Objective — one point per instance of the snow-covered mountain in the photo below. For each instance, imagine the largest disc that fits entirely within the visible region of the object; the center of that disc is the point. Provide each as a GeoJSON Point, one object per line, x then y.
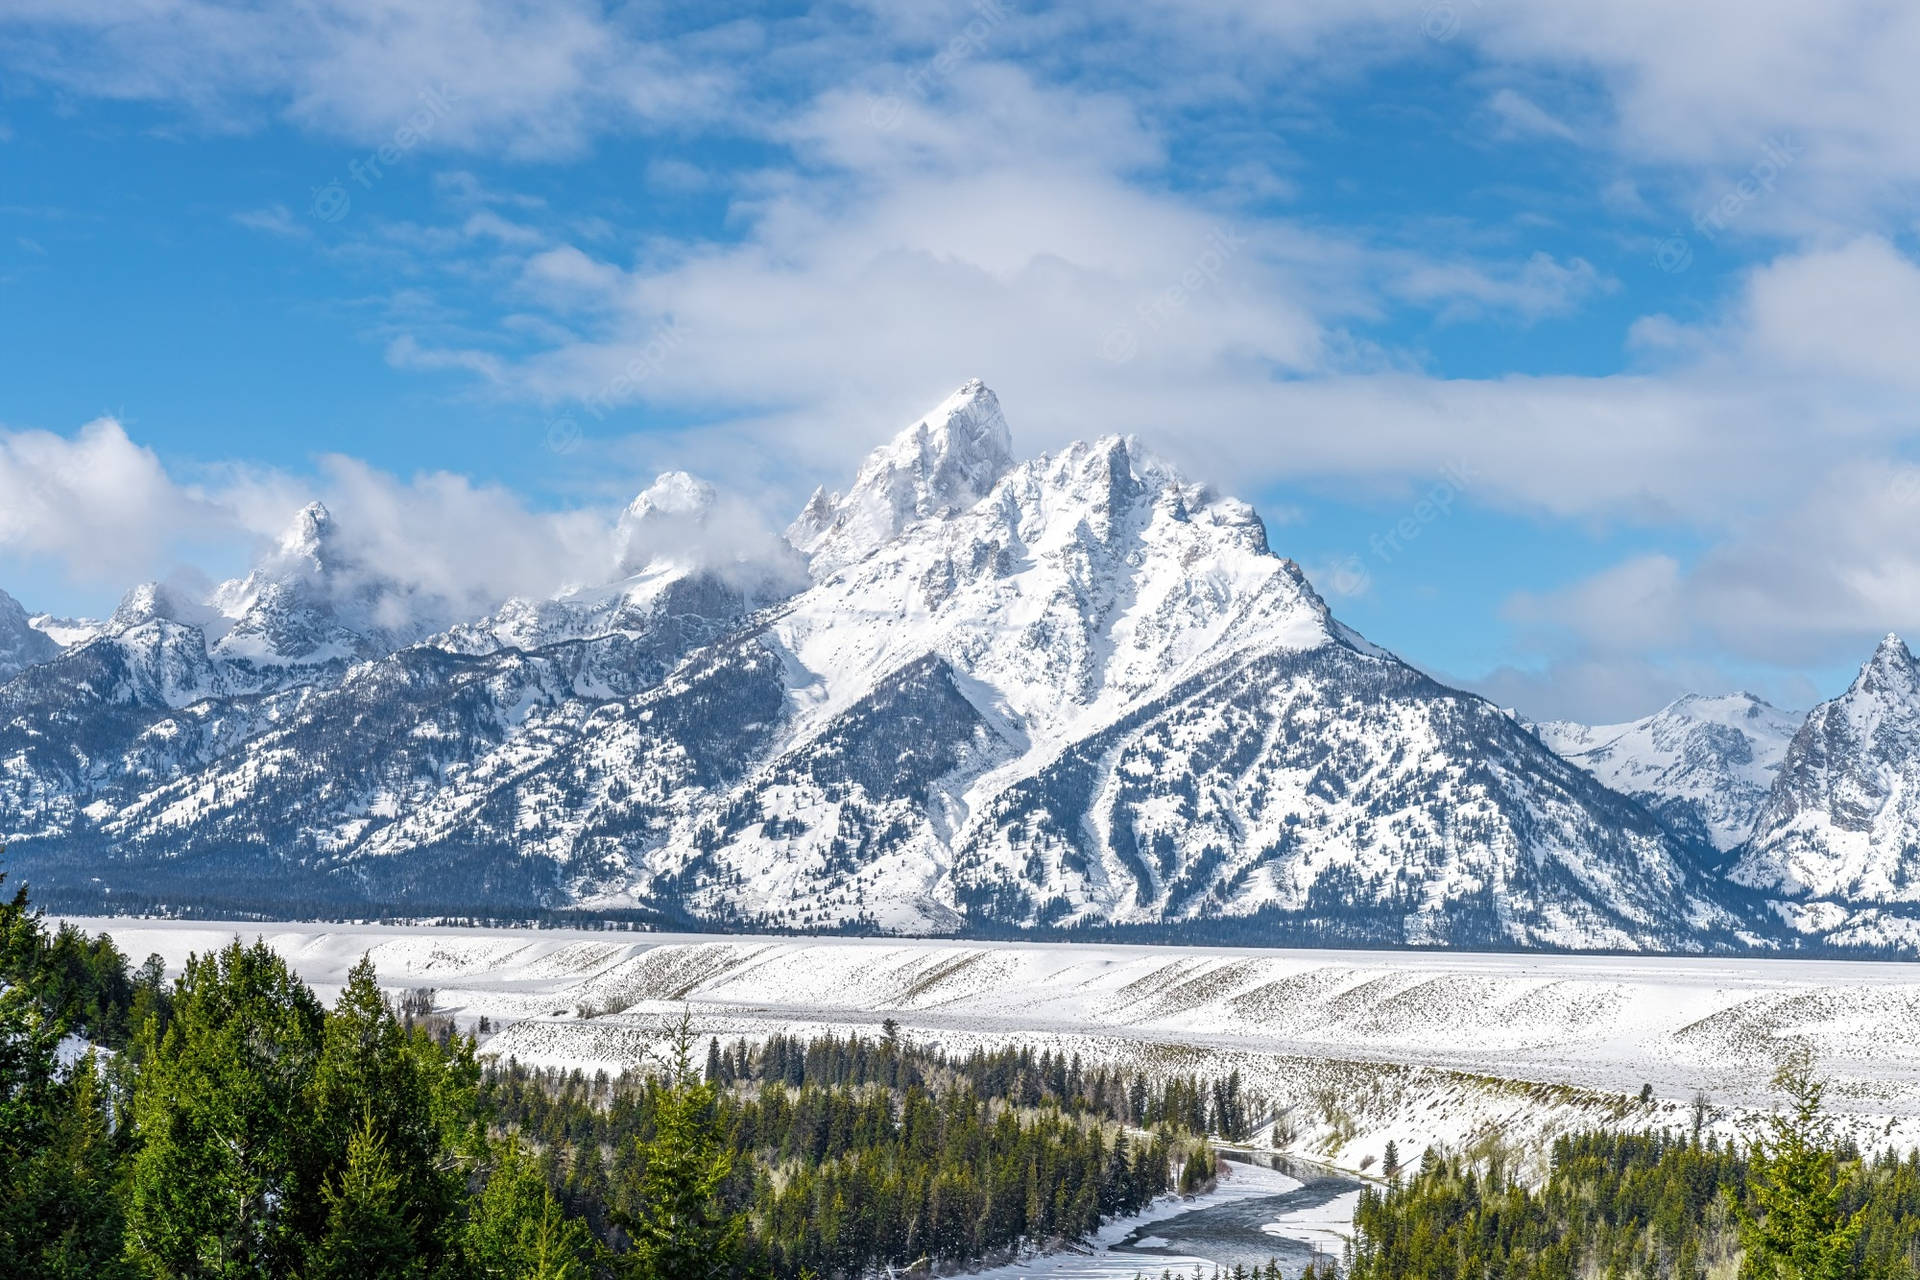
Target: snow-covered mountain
{"type": "Point", "coordinates": [1705, 764]}
{"type": "Point", "coordinates": [940, 466]}
{"type": "Point", "coordinates": [21, 643]}
{"type": "Point", "coordinates": [1842, 822]}
{"type": "Point", "coordinates": [974, 692]}
{"type": "Point", "coordinates": [308, 603]}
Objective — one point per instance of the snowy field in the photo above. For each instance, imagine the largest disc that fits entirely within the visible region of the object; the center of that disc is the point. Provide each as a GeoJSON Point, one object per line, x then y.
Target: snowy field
{"type": "Point", "coordinates": [1352, 1048]}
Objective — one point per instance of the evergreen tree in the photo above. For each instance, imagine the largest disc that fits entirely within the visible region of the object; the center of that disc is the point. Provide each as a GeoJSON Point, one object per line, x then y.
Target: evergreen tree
{"type": "Point", "coordinates": [1797, 1229]}
{"type": "Point", "coordinates": [367, 1231]}
{"type": "Point", "coordinates": [225, 1173]}
{"type": "Point", "coordinates": [60, 1215]}
{"type": "Point", "coordinates": [410, 1092]}
{"type": "Point", "coordinates": [517, 1230]}
{"type": "Point", "coordinates": [682, 1231]}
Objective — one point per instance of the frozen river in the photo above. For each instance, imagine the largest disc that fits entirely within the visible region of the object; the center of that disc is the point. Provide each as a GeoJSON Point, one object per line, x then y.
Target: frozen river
{"type": "Point", "coordinates": [1265, 1209]}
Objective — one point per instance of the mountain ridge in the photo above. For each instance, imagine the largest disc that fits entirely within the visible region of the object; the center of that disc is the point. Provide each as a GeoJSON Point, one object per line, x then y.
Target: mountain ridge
{"type": "Point", "coordinates": [1074, 691]}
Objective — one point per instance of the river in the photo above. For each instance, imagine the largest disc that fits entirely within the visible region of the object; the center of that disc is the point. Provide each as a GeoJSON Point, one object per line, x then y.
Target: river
{"type": "Point", "coordinates": [1292, 1226]}
{"type": "Point", "coordinates": [1267, 1207]}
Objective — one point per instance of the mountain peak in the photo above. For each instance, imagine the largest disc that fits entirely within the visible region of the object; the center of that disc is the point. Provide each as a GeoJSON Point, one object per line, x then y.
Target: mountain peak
{"type": "Point", "coordinates": [662, 519]}
{"type": "Point", "coordinates": [307, 535]}
{"type": "Point", "coordinates": [943, 463]}
{"type": "Point", "coordinates": [144, 603]}
{"type": "Point", "coordinates": [1891, 671]}
{"type": "Point", "coordinates": [673, 493]}
{"type": "Point", "coordinates": [21, 645]}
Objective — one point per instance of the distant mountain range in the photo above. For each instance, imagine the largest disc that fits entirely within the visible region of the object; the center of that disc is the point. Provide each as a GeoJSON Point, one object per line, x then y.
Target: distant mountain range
{"type": "Point", "coordinates": [1071, 693]}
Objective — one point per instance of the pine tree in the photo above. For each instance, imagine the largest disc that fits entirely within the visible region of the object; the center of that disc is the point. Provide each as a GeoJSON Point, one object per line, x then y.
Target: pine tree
{"type": "Point", "coordinates": [1800, 1231]}
{"type": "Point", "coordinates": [367, 1232]}
{"type": "Point", "coordinates": [225, 1170]}
{"type": "Point", "coordinates": [516, 1229]}
{"type": "Point", "coordinates": [414, 1095]}
{"type": "Point", "coordinates": [682, 1231]}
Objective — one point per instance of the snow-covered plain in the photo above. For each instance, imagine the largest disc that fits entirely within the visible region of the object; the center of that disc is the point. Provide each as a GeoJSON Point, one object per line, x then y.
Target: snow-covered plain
{"type": "Point", "coordinates": [1351, 1048]}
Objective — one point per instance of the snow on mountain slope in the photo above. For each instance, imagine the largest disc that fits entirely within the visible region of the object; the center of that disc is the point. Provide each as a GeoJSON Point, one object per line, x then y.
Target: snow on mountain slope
{"type": "Point", "coordinates": [22, 645]}
{"type": "Point", "coordinates": [1099, 696]}
{"type": "Point", "coordinates": [940, 466]}
{"type": "Point", "coordinates": [1843, 819]}
{"type": "Point", "coordinates": [309, 604]}
{"type": "Point", "coordinates": [1075, 690]}
{"type": "Point", "coordinates": [1345, 793]}
{"type": "Point", "coordinates": [67, 633]}
{"type": "Point", "coordinates": [1703, 763]}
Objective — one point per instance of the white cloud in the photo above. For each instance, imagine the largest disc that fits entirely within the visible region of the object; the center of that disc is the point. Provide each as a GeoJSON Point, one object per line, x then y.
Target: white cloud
{"type": "Point", "coordinates": [98, 504]}
{"type": "Point", "coordinates": [538, 79]}
{"type": "Point", "coordinates": [1851, 311]}
{"type": "Point", "coordinates": [1538, 287]}
{"type": "Point", "coordinates": [1521, 117]}
{"type": "Point", "coordinates": [1817, 583]}
{"type": "Point", "coordinates": [275, 220]}
{"type": "Point", "coordinates": [106, 511]}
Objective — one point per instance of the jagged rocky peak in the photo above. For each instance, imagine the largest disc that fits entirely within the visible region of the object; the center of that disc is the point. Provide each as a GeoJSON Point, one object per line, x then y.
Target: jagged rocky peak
{"type": "Point", "coordinates": [1890, 673]}
{"type": "Point", "coordinates": [307, 536]}
{"type": "Point", "coordinates": [673, 493]}
{"type": "Point", "coordinates": [307, 601]}
{"type": "Point", "coordinates": [1843, 818]}
{"type": "Point", "coordinates": [150, 601]}
{"type": "Point", "coordinates": [21, 644]}
{"type": "Point", "coordinates": [943, 464]}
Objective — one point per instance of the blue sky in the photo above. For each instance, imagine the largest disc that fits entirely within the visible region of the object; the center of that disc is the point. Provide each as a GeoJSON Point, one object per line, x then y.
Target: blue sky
{"type": "Point", "coordinates": [1627, 297]}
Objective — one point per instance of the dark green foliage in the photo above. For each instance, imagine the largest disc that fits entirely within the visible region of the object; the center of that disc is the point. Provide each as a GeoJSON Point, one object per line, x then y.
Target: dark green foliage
{"type": "Point", "coordinates": [405, 1091]}
{"type": "Point", "coordinates": [680, 1229]}
{"type": "Point", "coordinates": [1799, 1226]}
{"type": "Point", "coordinates": [850, 1155]}
{"type": "Point", "coordinates": [1662, 1206]}
{"type": "Point", "coordinates": [59, 1214]}
{"type": "Point", "coordinates": [369, 1228]}
{"type": "Point", "coordinates": [516, 1227]}
{"type": "Point", "coordinates": [226, 1180]}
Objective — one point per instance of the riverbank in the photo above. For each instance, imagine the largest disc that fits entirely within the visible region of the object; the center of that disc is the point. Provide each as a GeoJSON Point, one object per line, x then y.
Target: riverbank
{"type": "Point", "coordinates": [1255, 1213]}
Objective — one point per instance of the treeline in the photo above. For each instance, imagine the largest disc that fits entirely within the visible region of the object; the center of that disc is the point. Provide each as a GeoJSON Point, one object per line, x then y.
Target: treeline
{"type": "Point", "coordinates": [848, 1155]}
{"type": "Point", "coordinates": [1794, 1204]}
{"type": "Point", "coordinates": [1197, 1104]}
{"type": "Point", "coordinates": [227, 1124]}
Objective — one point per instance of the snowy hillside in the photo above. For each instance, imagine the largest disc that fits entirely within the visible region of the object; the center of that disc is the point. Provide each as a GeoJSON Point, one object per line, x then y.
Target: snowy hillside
{"type": "Point", "coordinates": [1705, 764]}
{"type": "Point", "coordinates": [1415, 1048]}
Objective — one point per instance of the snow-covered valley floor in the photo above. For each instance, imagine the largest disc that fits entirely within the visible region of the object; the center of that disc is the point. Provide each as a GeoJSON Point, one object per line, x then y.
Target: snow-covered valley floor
{"type": "Point", "coordinates": [1353, 1049]}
